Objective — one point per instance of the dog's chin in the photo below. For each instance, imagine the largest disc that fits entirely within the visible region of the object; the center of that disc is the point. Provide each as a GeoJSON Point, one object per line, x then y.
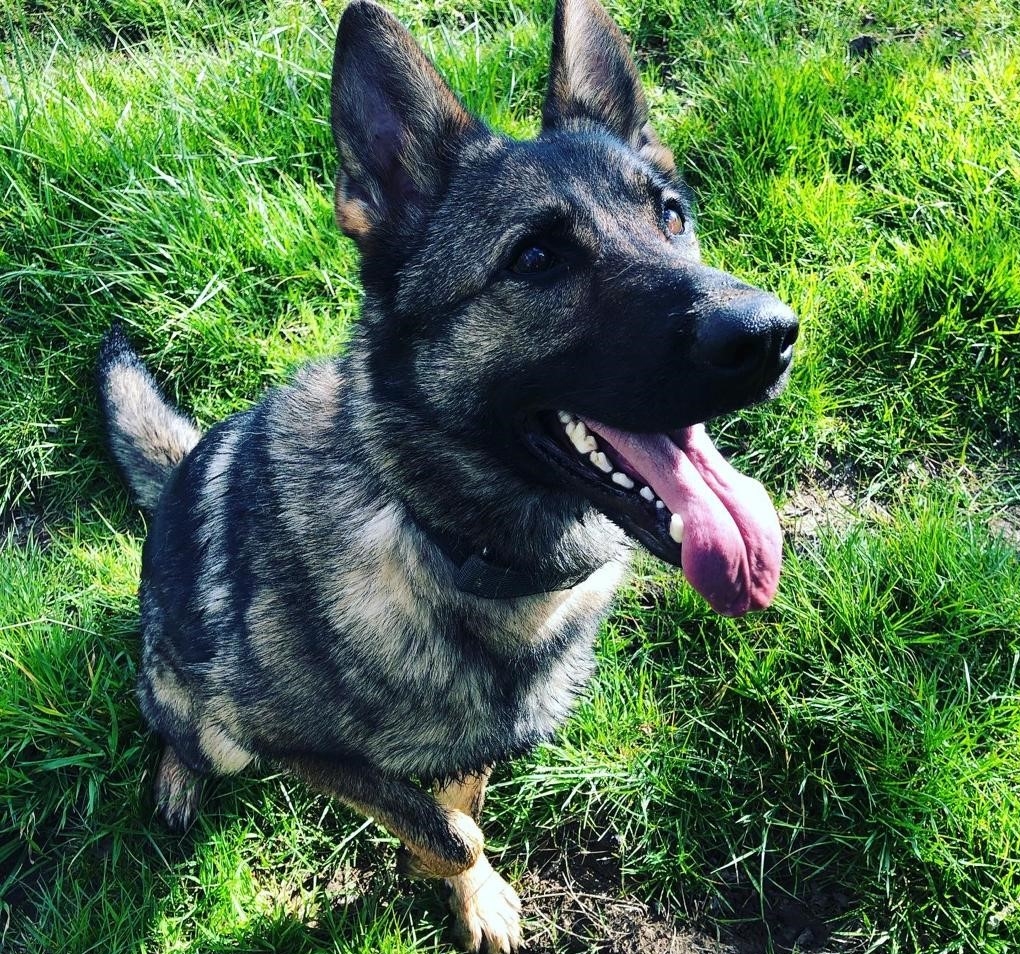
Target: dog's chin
{"type": "Point", "coordinates": [605, 483]}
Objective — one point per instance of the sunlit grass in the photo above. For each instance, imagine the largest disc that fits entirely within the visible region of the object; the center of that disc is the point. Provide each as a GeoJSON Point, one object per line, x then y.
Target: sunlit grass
{"type": "Point", "coordinates": [170, 164]}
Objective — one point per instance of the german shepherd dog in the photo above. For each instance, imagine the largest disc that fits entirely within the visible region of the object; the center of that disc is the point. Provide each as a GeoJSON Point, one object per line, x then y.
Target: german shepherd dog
{"type": "Point", "coordinates": [387, 575]}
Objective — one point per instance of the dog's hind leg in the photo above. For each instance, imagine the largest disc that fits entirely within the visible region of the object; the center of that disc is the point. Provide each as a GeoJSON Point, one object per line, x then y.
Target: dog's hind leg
{"type": "Point", "coordinates": [179, 782]}
{"type": "Point", "coordinates": [487, 910]}
{"type": "Point", "coordinates": [177, 791]}
{"type": "Point", "coordinates": [195, 743]}
{"type": "Point", "coordinates": [169, 709]}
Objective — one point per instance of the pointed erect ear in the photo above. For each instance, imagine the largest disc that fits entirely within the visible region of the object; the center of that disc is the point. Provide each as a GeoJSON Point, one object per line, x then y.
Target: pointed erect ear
{"type": "Point", "coordinates": [593, 81]}
{"type": "Point", "coordinates": [396, 124]}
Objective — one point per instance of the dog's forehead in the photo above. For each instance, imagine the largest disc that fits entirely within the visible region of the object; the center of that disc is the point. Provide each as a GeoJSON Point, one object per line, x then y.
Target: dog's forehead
{"type": "Point", "coordinates": [578, 169]}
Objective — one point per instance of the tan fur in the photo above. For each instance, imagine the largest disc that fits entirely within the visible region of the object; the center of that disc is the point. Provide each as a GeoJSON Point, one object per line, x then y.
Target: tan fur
{"type": "Point", "coordinates": [177, 791]}
{"type": "Point", "coordinates": [145, 427]}
{"type": "Point", "coordinates": [222, 750]}
{"type": "Point", "coordinates": [486, 910]}
{"type": "Point", "coordinates": [466, 794]}
{"type": "Point", "coordinates": [170, 692]}
{"type": "Point", "coordinates": [485, 907]}
{"type": "Point", "coordinates": [428, 863]}
{"type": "Point", "coordinates": [442, 842]}
{"type": "Point", "coordinates": [353, 217]}
{"type": "Point", "coordinates": [385, 595]}
{"type": "Point", "coordinates": [463, 799]}
{"type": "Point", "coordinates": [592, 595]}
{"type": "Point", "coordinates": [165, 434]}
{"type": "Point", "coordinates": [271, 639]}
{"type": "Point", "coordinates": [657, 154]}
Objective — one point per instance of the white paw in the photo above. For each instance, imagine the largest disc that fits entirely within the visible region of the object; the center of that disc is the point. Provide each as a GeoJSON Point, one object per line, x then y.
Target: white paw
{"type": "Point", "coordinates": [487, 910]}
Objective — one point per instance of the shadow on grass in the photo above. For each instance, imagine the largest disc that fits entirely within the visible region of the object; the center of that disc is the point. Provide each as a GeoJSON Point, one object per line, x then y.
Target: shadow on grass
{"type": "Point", "coordinates": [85, 865]}
{"type": "Point", "coordinates": [83, 889]}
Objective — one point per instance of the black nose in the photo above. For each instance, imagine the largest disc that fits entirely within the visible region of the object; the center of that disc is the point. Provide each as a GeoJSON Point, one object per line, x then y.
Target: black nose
{"type": "Point", "coordinates": [750, 333]}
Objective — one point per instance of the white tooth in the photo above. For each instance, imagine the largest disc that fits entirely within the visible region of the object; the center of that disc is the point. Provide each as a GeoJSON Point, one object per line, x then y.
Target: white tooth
{"type": "Point", "coordinates": [676, 528]}
{"type": "Point", "coordinates": [582, 440]}
{"type": "Point", "coordinates": [659, 505]}
{"type": "Point", "coordinates": [601, 461]}
{"type": "Point", "coordinates": [647, 493]}
{"type": "Point", "coordinates": [623, 480]}
{"type": "Point", "coordinates": [564, 417]}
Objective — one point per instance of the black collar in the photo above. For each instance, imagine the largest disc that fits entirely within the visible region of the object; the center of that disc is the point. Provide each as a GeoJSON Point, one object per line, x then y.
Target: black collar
{"type": "Point", "coordinates": [475, 575]}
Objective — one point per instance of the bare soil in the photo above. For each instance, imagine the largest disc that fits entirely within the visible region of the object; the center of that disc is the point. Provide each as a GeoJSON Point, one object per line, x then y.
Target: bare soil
{"type": "Point", "coordinates": [576, 902]}
{"type": "Point", "coordinates": [815, 507]}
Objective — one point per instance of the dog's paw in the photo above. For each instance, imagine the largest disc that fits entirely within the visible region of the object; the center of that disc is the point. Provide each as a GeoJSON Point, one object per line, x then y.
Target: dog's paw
{"type": "Point", "coordinates": [177, 792]}
{"type": "Point", "coordinates": [463, 848]}
{"type": "Point", "coordinates": [487, 911]}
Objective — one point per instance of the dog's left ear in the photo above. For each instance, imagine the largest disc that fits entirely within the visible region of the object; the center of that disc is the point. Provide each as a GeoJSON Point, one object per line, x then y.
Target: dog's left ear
{"type": "Point", "coordinates": [593, 81]}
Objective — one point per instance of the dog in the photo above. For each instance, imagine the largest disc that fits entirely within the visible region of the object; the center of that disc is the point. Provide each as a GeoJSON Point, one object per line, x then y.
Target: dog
{"type": "Point", "coordinates": [387, 576]}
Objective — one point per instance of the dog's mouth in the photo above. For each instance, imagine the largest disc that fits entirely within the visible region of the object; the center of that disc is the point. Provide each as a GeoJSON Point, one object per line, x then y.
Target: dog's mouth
{"type": "Point", "coordinates": [677, 496]}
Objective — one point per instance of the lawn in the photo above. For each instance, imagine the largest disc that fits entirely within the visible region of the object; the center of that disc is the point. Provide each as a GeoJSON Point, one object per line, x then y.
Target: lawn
{"type": "Point", "coordinates": [838, 773]}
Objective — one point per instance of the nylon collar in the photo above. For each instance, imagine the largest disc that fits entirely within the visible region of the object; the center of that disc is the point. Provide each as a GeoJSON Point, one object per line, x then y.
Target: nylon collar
{"type": "Point", "coordinates": [477, 576]}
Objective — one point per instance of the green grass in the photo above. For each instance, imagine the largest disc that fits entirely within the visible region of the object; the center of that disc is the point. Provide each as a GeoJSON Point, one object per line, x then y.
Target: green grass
{"type": "Point", "coordinates": [169, 163]}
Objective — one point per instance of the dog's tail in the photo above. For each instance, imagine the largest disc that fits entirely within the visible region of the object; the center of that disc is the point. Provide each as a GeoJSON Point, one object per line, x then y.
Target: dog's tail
{"type": "Point", "coordinates": [148, 436]}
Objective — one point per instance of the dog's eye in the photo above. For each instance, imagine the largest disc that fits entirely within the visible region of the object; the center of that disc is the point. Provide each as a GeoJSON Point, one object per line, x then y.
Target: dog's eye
{"type": "Point", "coordinates": [672, 218]}
{"type": "Point", "coordinates": [531, 260]}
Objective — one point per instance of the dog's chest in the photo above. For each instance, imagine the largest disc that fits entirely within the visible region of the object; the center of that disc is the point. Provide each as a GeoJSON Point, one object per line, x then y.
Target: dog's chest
{"type": "Point", "coordinates": [469, 682]}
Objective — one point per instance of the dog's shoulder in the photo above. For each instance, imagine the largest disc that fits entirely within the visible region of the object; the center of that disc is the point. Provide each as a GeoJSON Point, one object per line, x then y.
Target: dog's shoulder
{"type": "Point", "coordinates": [310, 401]}
{"type": "Point", "coordinates": [304, 427]}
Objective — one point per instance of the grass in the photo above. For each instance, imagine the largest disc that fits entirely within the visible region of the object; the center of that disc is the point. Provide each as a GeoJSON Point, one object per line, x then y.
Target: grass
{"type": "Point", "coordinates": [169, 163]}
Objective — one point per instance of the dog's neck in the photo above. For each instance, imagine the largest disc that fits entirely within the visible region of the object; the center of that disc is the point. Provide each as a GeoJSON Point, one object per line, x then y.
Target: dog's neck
{"type": "Point", "coordinates": [476, 574]}
{"type": "Point", "coordinates": [503, 537]}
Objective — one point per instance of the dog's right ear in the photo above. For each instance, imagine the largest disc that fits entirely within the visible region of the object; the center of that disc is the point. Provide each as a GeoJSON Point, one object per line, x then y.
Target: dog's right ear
{"type": "Point", "coordinates": [396, 124]}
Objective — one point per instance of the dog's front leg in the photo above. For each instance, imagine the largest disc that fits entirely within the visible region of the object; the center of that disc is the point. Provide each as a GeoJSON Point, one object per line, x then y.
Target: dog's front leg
{"type": "Point", "coordinates": [441, 838]}
{"type": "Point", "coordinates": [444, 841]}
{"type": "Point", "coordinates": [487, 910]}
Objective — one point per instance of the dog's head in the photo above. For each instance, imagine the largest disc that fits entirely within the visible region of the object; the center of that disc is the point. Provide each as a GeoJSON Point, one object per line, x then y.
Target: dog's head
{"type": "Point", "coordinates": [543, 304]}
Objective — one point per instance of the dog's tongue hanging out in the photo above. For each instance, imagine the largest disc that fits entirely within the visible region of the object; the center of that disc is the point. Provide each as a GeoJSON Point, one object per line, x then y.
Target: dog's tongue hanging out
{"type": "Point", "coordinates": [732, 544]}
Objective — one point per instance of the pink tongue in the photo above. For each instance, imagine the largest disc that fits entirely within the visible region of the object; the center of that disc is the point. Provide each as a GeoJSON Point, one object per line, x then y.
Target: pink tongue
{"type": "Point", "coordinates": [732, 545]}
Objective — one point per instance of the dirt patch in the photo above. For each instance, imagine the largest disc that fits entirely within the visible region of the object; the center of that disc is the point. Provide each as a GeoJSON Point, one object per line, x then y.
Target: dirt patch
{"type": "Point", "coordinates": [865, 45]}
{"type": "Point", "coordinates": [575, 902]}
{"type": "Point", "coordinates": [784, 921]}
{"type": "Point", "coordinates": [20, 527]}
{"type": "Point", "coordinates": [837, 507]}
{"type": "Point", "coordinates": [1007, 525]}
{"type": "Point", "coordinates": [815, 507]}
